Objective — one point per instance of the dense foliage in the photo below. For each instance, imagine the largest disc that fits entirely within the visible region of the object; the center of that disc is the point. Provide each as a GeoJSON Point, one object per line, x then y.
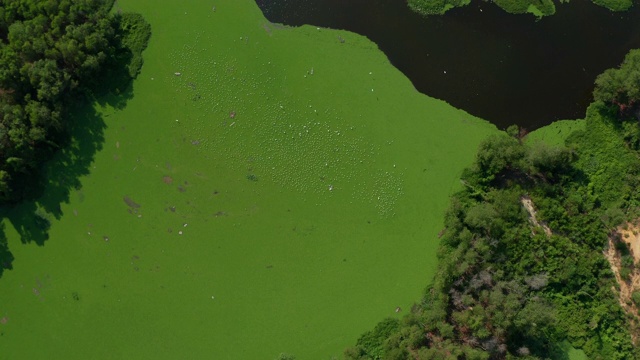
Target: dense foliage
{"type": "Point", "coordinates": [435, 7]}
{"type": "Point", "coordinates": [615, 5]}
{"type": "Point", "coordinates": [135, 32]}
{"type": "Point", "coordinates": [53, 53]}
{"type": "Point", "coordinates": [536, 7]}
{"type": "Point", "coordinates": [621, 86]}
{"type": "Point", "coordinates": [517, 281]}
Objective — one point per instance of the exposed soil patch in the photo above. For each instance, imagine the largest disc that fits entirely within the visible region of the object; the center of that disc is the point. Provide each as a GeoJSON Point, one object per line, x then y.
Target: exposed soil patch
{"type": "Point", "coordinates": [631, 235]}
{"type": "Point", "coordinates": [528, 204]}
{"type": "Point", "coordinates": [628, 235]}
{"type": "Point", "coordinates": [167, 179]}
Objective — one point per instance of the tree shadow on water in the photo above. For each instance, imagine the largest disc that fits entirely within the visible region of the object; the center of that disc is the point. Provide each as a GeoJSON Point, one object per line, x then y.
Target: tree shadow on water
{"type": "Point", "coordinates": [60, 177]}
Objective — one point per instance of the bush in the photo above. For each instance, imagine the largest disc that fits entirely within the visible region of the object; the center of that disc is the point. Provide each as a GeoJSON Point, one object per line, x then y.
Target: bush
{"type": "Point", "coordinates": [545, 7]}
{"type": "Point", "coordinates": [620, 86]}
{"type": "Point", "coordinates": [435, 7]}
{"type": "Point", "coordinates": [636, 298]}
{"type": "Point", "coordinates": [625, 273]}
{"type": "Point", "coordinates": [615, 5]}
{"type": "Point", "coordinates": [135, 32]}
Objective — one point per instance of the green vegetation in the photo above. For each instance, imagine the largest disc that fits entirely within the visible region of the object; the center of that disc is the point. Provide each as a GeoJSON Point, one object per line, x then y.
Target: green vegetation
{"type": "Point", "coordinates": [278, 265]}
{"type": "Point", "coordinates": [556, 134]}
{"type": "Point", "coordinates": [51, 54]}
{"type": "Point", "coordinates": [508, 283]}
{"type": "Point", "coordinates": [135, 33]}
{"type": "Point", "coordinates": [615, 5]}
{"type": "Point", "coordinates": [435, 7]}
{"type": "Point", "coordinates": [621, 86]}
{"type": "Point", "coordinates": [538, 8]}
{"type": "Point", "coordinates": [279, 201]}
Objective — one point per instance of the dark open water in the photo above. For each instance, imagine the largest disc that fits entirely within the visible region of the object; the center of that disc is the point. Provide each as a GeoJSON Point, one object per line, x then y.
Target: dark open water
{"type": "Point", "coordinates": [508, 69]}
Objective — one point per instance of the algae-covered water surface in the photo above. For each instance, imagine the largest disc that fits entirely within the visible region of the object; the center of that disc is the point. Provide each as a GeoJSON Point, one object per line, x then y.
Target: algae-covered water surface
{"type": "Point", "coordinates": [265, 189]}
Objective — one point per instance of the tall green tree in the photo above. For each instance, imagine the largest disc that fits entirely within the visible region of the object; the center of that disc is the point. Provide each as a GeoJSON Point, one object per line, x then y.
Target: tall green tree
{"type": "Point", "coordinates": [620, 86]}
{"type": "Point", "coordinates": [51, 54]}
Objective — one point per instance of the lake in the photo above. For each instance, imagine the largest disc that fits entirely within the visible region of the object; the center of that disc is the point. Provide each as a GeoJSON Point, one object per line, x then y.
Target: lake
{"type": "Point", "coordinates": [508, 69]}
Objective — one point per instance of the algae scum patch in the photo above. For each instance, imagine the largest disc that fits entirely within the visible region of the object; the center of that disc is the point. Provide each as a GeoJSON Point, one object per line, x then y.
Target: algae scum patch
{"type": "Point", "coordinates": [265, 190]}
{"type": "Point", "coordinates": [297, 141]}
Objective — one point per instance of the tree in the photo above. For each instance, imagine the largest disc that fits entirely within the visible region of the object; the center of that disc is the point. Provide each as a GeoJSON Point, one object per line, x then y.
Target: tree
{"type": "Point", "coordinates": [497, 154]}
{"type": "Point", "coordinates": [52, 54]}
{"type": "Point", "coordinates": [548, 162]}
{"type": "Point", "coordinates": [620, 86]}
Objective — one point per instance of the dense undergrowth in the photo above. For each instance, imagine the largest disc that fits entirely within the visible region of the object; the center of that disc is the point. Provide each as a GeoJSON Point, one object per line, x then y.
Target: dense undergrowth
{"type": "Point", "coordinates": [516, 282]}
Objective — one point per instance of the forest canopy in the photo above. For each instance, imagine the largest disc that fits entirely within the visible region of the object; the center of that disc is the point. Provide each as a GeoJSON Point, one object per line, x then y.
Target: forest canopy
{"type": "Point", "coordinates": [53, 54]}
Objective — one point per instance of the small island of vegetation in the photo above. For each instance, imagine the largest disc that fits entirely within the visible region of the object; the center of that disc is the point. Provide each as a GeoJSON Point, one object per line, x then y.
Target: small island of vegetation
{"type": "Point", "coordinates": [536, 7]}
